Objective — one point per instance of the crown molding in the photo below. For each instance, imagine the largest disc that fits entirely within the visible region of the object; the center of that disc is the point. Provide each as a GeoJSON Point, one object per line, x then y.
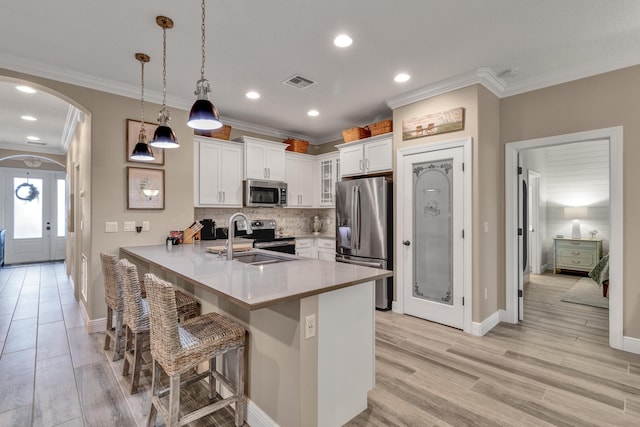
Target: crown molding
{"type": "Point", "coordinates": [70, 126]}
{"type": "Point", "coordinates": [263, 130]}
{"type": "Point", "coordinates": [484, 76]}
{"type": "Point", "coordinates": [31, 148]}
{"type": "Point", "coordinates": [570, 74]}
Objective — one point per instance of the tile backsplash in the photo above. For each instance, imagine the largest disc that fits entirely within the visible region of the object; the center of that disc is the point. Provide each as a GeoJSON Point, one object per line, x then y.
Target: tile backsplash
{"type": "Point", "coordinates": [291, 221]}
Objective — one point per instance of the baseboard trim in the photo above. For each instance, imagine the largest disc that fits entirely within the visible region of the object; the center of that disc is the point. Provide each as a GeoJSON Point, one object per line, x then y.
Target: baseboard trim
{"type": "Point", "coordinates": [95, 325]}
{"type": "Point", "coordinates": [481, 328]}
{"type": "Point", "coordinates": [631, 344]}
{"type": "Point", "coordinates": [396, 307]}
{"type": "Point", "coordinates": [256, 417]}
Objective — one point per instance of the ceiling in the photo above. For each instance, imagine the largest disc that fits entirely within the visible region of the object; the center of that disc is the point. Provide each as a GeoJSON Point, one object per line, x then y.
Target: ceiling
{"type": "Point", "coordinates": [256, 45]}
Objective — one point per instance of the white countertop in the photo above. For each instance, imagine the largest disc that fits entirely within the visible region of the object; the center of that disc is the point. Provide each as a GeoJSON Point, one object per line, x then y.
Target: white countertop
{"type": "Point", "coordinates": [252, 286]}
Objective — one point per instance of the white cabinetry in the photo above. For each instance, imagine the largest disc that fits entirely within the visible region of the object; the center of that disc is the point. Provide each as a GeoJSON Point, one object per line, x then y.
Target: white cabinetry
{"type": "Point", "coordinates": [326, 249]}
{"type": "Point", "coordinates": [366, 156]}
{"type": "Point", "coordinates": [305, 248]}
{"type": "Point", "coordinates": [263, 159]}
{"type": "Point", "coordinates": [218, 173]}
{"type": "Point", "coordinates": [299, 178]}
{"type": "Point", "coordinates": [327, 173]}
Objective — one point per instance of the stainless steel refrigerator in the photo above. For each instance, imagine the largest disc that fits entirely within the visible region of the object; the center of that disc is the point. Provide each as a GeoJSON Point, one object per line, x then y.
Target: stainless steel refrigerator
{"type": "Point", "coordinates": [364, 229]}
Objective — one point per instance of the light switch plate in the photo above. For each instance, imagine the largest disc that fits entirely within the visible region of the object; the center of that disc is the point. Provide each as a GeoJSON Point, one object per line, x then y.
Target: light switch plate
{"type": "Point", "coordinates": [145, 225]}
{"type": "Point", "coordinates": [111, 227]}
{"type": "Point", "coordinates": [129, 226]}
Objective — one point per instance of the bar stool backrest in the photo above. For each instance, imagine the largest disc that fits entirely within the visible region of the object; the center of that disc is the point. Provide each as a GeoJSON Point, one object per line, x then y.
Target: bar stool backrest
{"type": "Point", "coordinates": [112, 281]}
{"type": "Point", "coordinates": [163, 320]}
{"type": "Point", "coordinates": [135, 312]}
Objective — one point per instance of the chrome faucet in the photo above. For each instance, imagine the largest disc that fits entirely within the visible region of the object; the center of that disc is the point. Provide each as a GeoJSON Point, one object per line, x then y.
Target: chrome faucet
{"type": "Point", "coordinates": [232, 232]}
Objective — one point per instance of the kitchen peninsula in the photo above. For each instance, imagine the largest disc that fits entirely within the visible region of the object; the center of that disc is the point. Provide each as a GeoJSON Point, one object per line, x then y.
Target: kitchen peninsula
{"type": "Point", "coordinates": [317, 375]}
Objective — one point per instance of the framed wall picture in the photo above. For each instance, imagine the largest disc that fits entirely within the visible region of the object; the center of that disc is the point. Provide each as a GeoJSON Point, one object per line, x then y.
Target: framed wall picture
{"type": "Point", "coordinates": [133, 129]}
{"type": "Point", "coordinates": [145, 188]}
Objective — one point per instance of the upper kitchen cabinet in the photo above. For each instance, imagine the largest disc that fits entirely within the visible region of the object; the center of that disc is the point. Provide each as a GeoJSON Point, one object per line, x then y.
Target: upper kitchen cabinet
{"type": "Point", "coordinates": [218, 172]}
{"type": "Point", "coordinates": [366, 156]}
{"type": "Point", "coordinates": [263, 159]}
{"type": "Point", "coordinates": [326, 175]}
{"type": "Point", "coordinates": [298, 175]}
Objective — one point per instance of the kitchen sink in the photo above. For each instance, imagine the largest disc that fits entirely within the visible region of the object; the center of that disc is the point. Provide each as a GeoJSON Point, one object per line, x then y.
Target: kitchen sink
{"type": "Point", "coordinates": [259, 258]}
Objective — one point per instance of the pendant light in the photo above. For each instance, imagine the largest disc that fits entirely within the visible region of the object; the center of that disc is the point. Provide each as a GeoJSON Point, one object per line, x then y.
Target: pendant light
{"type": "Point", "coordinates": [164, 137]}
{"type": "Point", "coordinates": [142, 150]}
{"type": "Point", "coordinates": [204, 115]}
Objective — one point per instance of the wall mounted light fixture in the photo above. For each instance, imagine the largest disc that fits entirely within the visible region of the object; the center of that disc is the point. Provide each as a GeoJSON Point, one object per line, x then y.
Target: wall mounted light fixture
{"type": "Point", "coordinates": [164, 137]}
{"type": "Point", "coordinates": [204, 115]}
{"type": "Point", "coordinates": [142, 150]}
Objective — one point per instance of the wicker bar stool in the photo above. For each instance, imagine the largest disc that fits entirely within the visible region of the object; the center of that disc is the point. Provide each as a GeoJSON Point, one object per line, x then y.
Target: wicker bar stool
{"type": "Point", "coordinates": [136, 318]}
{"type": "Point", "coordinates": [178, 348]}
{"type": "Point", "coordinates": [115, 303]}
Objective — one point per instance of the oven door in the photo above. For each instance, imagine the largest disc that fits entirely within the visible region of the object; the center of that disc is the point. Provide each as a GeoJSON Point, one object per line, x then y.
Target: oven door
{"type": "Point", "coordinates": [284, 246]}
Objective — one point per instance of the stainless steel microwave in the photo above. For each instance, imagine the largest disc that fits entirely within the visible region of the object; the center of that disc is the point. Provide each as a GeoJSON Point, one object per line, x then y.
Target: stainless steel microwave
{"type": "Point", "coordinates": [271, 194]}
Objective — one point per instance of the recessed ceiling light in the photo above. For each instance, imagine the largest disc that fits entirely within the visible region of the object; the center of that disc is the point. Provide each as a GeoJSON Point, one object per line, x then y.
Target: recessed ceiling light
{"type": "Point", "coordinates": [253, 95]}
{"type": "Point", "coordinates": [33, 138]}
{"type": "Point", "coordinates": [26, 89]}
{"type": "Point", "coordinates": [402, 77]}
{"type": "Point", "coordinates": [313, 113]}
{"type": "Point", "coordinates": [28, 118]}
{"type": "Point", "coordinates": [342, 40]}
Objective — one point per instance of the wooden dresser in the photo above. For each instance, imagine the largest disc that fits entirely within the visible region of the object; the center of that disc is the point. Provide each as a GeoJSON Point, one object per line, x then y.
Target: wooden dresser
{"type": "Point", "coordinates": [576, 254]}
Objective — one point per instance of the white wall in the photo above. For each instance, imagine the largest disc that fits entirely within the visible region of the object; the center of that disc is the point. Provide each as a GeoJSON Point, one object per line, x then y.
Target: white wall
{"type": "Point", "coordinates": [574, 175]}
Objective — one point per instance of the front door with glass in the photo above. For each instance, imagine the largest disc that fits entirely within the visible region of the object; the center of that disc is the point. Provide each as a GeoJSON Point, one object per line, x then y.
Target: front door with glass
{"type": "Point", "coordinates": [35, 216]}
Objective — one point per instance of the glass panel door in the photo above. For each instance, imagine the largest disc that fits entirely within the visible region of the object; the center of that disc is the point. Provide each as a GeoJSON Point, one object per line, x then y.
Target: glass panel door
{"type": "Point", "coordinates": [27, 208]}
{"type": "Point", "coordinates": [433, 254]}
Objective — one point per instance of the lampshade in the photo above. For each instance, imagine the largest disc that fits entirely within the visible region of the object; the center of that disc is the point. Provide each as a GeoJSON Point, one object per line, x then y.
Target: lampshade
{"type": "Point", "coordinates": [164, 137]}
{"type": "Point", "coordinates": [142, 151]}
{"type": "Point", "coordinates": [204, 115]}
{"type": "Point", "coordinates": [576, 212]}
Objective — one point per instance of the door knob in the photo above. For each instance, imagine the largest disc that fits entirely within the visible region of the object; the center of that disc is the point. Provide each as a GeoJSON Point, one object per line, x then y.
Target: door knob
{"type": "Point", "coordinates": [406, 242]}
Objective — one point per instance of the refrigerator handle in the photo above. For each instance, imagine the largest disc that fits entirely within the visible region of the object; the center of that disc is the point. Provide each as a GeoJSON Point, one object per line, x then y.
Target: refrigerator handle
{"type": "Point", "coordinates": [354, 223]}
{"type": "Point", "coordinates": [358, 215]}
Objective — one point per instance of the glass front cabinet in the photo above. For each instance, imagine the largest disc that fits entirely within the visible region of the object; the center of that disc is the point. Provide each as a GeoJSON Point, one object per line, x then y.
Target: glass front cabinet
{"type": "Point", "coordinates": [329, 166]}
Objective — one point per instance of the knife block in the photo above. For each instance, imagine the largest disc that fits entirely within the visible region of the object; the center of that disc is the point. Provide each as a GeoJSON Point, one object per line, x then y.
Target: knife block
{"type": "Point", "coordinates": [189, 235]}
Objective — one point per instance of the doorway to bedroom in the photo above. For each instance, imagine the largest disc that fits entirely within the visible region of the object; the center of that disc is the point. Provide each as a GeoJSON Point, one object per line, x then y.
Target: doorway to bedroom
{"type": "Point", "coordinates": [567, 205]}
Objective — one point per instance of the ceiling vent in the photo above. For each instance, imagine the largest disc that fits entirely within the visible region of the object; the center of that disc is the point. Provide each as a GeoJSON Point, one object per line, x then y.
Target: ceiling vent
{"type": "Point", "coordinates": [298, 82]}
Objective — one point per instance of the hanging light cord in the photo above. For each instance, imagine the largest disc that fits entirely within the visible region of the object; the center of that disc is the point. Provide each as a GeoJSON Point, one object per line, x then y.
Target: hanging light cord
{"type": "Point", "coordinates": [203, 41]}
{"type": "Point", "coordinates": [164, 66]}
{"type": "Point", "coordinates": [142, 131]}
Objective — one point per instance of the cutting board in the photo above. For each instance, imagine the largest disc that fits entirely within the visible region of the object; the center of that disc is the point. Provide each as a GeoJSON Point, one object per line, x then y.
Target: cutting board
{"type": "Point", "coordinates": [237, 247]}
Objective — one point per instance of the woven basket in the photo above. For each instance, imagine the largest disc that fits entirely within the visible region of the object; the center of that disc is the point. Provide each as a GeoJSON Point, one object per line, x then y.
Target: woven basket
{"type": "Point", "coordinates": [296, 145]}
{"type": "Point", "coordinates": [356, 133]}
{"type": "Point", "coordinates": [222, 133]}
{"type": "Point", "coordinates": [384, 126]}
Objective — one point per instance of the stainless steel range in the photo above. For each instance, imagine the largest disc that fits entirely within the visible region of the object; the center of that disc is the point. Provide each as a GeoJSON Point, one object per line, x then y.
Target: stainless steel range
{"type": "Point", "coordinates": [264, 236]}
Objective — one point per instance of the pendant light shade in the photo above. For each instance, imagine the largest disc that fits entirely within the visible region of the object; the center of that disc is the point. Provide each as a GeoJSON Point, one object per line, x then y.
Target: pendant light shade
{"type": "Point", "coordinates": [142, 150]}
{"type": "Point", "coordinates": [164, 137]}
{"type": "Point", "coordinates": [204, 115]}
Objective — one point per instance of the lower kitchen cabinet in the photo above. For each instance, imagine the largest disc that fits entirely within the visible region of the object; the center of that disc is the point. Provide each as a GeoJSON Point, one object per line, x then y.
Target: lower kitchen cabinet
{"type": "Point", "coordinates": [305, 248]}
{"type": "Point", "coordinates": [317, 248]}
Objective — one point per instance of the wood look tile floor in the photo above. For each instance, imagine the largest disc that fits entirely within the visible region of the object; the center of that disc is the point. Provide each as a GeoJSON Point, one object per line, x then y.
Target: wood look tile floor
{"type": "Point", "coordinates": [554, 368]}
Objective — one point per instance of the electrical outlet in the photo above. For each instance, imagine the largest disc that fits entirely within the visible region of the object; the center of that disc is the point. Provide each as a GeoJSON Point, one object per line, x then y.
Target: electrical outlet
{"type": "Point", "coordinates": [486, 293]}
{"type": "Point", "coordinates": [111, 227]}
{"type": "Point", "coordinates": [145, 225]}
{"type": "Point", "coordinates": [310, 326]}
{"type": "Point", "coordinates": [129, 226]}
{"type": "Point", "coordinates": [486, 226]}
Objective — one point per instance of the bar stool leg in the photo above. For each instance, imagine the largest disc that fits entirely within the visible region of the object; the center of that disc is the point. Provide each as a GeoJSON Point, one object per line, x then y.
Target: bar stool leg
{"type": "Point", "coordinates": [117, 351]}
{"type": "Point", "coordinates": [174, 400]}
{"type": "Point", "coordinates": [240, 386]}
{"type": "Point", "coordinates": [127, 347]}
{"type": "Point", "coordinates": [137, 361]}
{"type": "Point", "coordinates": [107, 336]}
{"type": "Point", "coordinates": [155, 384]}
{"type": "Point", "coordinates": [212, 379]}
